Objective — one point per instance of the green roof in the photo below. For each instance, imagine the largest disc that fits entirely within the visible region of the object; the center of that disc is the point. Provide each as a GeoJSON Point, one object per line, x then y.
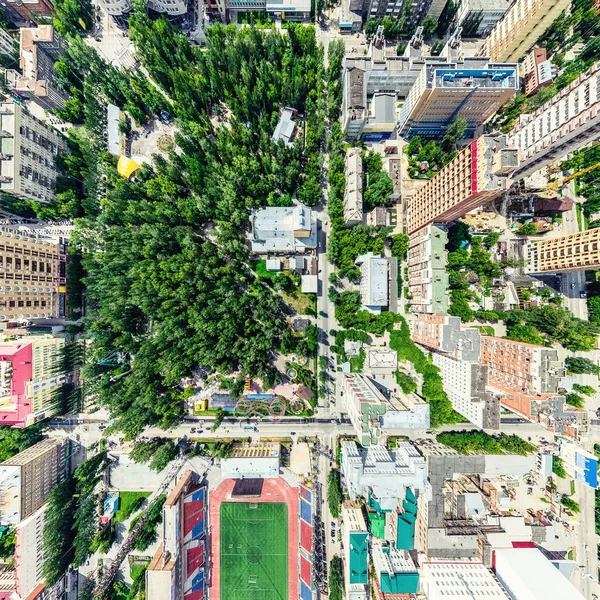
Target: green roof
{"type": "Point", "coordinates": [377, 525]}
{"type": "Point", "coordinates": [400, 583]}
{"type": "Point", "coordinates": [406, 522]}
{"type": "Point", "coordinates": [359, 558]}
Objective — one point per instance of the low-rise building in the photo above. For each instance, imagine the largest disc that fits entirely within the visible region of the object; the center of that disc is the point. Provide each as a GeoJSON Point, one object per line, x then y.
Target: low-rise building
{"type": "Point", "coordinates": [374, 282]}
{"type": "Point", "coordinates": [284, 230]}
{"type": "Point", "coordinates": [537, 71]}
{"type": "Point", "coordinates": [256, 460]}
{"type": "Point", "coordinates": [178, 569]}
{"type": "Point", "coordinates": [383, 475]}
{"type": "Point", "coordinates": [286, 127]}
{"type": "Point", "coordinates": [365, 404]}
{"type": "Point", "coordinates": [30, 377]}
{"type": "Point", "coordinates": [40, 48]}
{"type": "Point", "coordinates": [27, 479]}
{"type": "Point", "coordinates": [356, 552]}
{"type": "Point", "coordinates": [446, 334]}
{"type": "Point", "coordinates": [427, 270]}
{"type": "Point", "coordinates": [478, 17]}
{"type": "Point", "coordinates": [394, 572]}
{"type": "Point", "coordinates": [380, 360]}
{"type": "Point", "coordinates": [353, 191]}
{"type": "Point", "coordinates": [449, 580]}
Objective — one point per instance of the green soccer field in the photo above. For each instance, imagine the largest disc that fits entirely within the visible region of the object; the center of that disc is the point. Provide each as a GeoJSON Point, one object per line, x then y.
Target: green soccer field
{"type": "Point", "coordinates": [254, 551]}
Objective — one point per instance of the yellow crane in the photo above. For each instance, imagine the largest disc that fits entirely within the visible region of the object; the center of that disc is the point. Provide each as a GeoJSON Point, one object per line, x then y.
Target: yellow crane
{"type": "Point", "coordinates": [553, 185]}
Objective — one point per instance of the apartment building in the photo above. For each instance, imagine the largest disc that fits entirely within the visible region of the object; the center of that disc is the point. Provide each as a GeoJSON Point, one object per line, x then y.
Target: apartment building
{"type": "Point", "coordinates": [466, 385]}
{"type": "Point", "coordinates": [573, 252]}
{"type": "Point", "coordinates": [478, 17]}
{"type": "Point", "coordinates": [479, 174]}
{"type": "Point", "coordinates": [29, 379]}
{"type": "Point", "coordinates": [8, 46]}
{"type": "Point", "coordinates": [353, 191]}
{"type": "Point", "coordinates": [27, 479]}
{"type": "Point", "coordinates": [473, 90]}
{"type": "Point", "coordinates": [29, 552]}
{"type": "Point", "coordinates": [566, 122]}
{"type": "Point", "coordinates": [537, 71]}
{"type": "Point", "coordinates": [365, 404]}
{"type": "Point", "coordinates": [32, 276]}
{"type": "Point", "coordinates": [427, 274]}
{"type": "Point", "coordinates": [520, 28]}
{"type": "Point", "coordinates": [28, 154]}
{"type": "Point", "coordinates": [25, 11]}
{"type": "Point", "coordinates": [40, 48]}
{"type": "Point", "coordinates": [446, 334]}
{"type": "Point", "coordinates": [355, 537]}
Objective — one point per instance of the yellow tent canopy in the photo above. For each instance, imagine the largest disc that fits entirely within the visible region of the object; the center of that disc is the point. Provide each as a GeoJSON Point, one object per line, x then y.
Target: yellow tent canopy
{"type": "Point", "coordinates": [126, 167]}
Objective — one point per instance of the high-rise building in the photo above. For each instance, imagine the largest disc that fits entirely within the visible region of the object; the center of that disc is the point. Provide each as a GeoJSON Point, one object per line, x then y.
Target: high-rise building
{"type": "Point", "coordinates": [427, 274]}
{"type": "Point", "coordinates": [40, 48]}
{"type": "Point", "coordinates": [29, 552]}
{"type": "Point", "coordinates": [568, 121]}
{"type": "Point", "coordinates": [27, 479]}
{"type": "Point", "coordinates": [465, 383]}
{"type": "Point", "coordinates": [28, 154]}
{"type": "Point", "coordinates": [365, 404]}
{"type": "Point", "coordinates": [445, 334]}
{"type": "Point", "coordinates": [356, 554]}
{"type": "Point", "coordinates": [517, 366]}
{"type": "Point", "coordinates": [477, 175]}
{"type": "Point", "coordinates": [478, 17]}
{"type": "Point", "coordinates": [32, 276]}
{"type": "Point", "coordinates": [573, 252]}
{"type": "Point", "coordinates": [353, 191]}
{"type": "Point", "coordinates": [520, 28]}
{"type": "Point", "coordinates": [473, 90]}
{"type": "Point", "coordinates": [29, 379]}
{"type": "Point", "coordinates": [394, 572]}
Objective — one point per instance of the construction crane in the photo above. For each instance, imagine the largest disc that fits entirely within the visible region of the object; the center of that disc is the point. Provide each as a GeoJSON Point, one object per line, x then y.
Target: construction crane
{"type": "Point", "coordinates": [553, 185]}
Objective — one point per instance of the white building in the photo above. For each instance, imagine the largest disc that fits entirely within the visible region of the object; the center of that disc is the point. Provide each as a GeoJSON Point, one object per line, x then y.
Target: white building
{"type": "Point", "coordinates": [566, 122]}
{"type": "Point", "coordinates": [286, 127]}
{"type": "Point", "coordinates": [514, 569]}
{"type": "Point", "coordinates": [28, 153]}
{"type": "Point", "coordinates": [251, 461]}
{"type": "Point", "coordinates": [448, 580]}
{"type": "Point", "coordinates": [283, 229]}
{"type": "Point", "coordinates": [394, 569]}
{"type": "Point", "coordinates": [356, 552]}
{"type": "Point", "coordinates": [486, 12]}
{"type": "Point", "coordinates": [380, 360]}
{"type": "Point", "coordinates": [427, 270]}
{"type": "Point", "coordinates": [383, 473]}
{"type": "Point", "coordinates": [364, 404]}
{"type": "Point", "coordinates": [466, 385]}
{"type": "Point", "coordinates": [353, 191]}
{"type": "Point", "coordinates": [29, 552]}
{"type": "Point", "coordinates": [7, 44]}
{"type": "Point", "coordinates": [374, 282]}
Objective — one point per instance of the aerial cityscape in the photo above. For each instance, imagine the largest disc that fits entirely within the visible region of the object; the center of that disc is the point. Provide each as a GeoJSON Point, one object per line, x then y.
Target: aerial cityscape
{"type": "Point", "coordinates": [299, 300]}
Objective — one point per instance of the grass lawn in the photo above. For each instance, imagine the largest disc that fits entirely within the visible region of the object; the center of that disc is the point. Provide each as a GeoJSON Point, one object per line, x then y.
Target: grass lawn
{"type": "Point", "coordinates": [137, 570]}
{"type": "Point", "coordinates": [260, 268]}
{"type": "Point", "coordinates": [127, 501]}
{"type": "Point", "coordinates": [254, 539]}
{"type": "Point", "coordinates": [298, 301]}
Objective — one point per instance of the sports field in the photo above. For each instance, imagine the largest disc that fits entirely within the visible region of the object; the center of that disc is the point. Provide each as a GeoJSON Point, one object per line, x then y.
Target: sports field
{"type": "Point", "coordinates": [254, 551]}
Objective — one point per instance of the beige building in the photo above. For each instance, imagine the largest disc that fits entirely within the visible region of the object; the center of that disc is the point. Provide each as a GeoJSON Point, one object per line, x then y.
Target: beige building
{"type": "Point", "coordinates": [31, 277]}
{"type": "Point", "coordinates": [27, 479]}
{"type": "Point", "coordinates": [29, 552]}
{"type": "Point", "coordinates": [521, 26]}
{"type": "Point", "coordinates": [573, 252]}
{"type": "Point", "coordinates": [353, 191]}
{"type": "Point", "coordinates": [28, 154]}
{"type": "Point", "coordinates": [477, 175]}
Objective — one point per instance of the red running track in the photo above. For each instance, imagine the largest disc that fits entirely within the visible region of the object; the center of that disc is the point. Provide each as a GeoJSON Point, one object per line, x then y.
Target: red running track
{"type": "Point", "coordinates": [274, 490]}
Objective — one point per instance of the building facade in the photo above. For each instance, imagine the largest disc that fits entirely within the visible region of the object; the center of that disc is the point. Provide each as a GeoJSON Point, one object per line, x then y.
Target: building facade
{"type": "Point", "coordinates": [478, 17]}
{"type": "Point", "coordinates": [473, 90]}
{"type": "Point", "coordinates": [8, 46]}
{"type": "Point", "coordinates": [479, 174]}
{"type": "Point", "coordinates": [444, 333]}
{"type": "Point", "coordinates": [32, 276]}
{"type": "Point", "coordinates": [573, 252]}
{"type": "Point", "coordinates": [427, 274]}
{"type": "Point", "coordinates": [520, 28]}
{"type": "Point", "coordinates": [27, 159]}
{"type": "Point", "coordinates": [27, 479]}
{"type": "Point", "coordinates": [29, 552]}
{"type": "Point", "coordinates": [537, 71]}
{"type": "Point", "coordinates": [566, 122]}
{"type": "Point", "coordinates": [24, 11]}
{"type": "Point", "coordinates": [40, 48]}
{"type": "Point", "coordinates": [353, 191]}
